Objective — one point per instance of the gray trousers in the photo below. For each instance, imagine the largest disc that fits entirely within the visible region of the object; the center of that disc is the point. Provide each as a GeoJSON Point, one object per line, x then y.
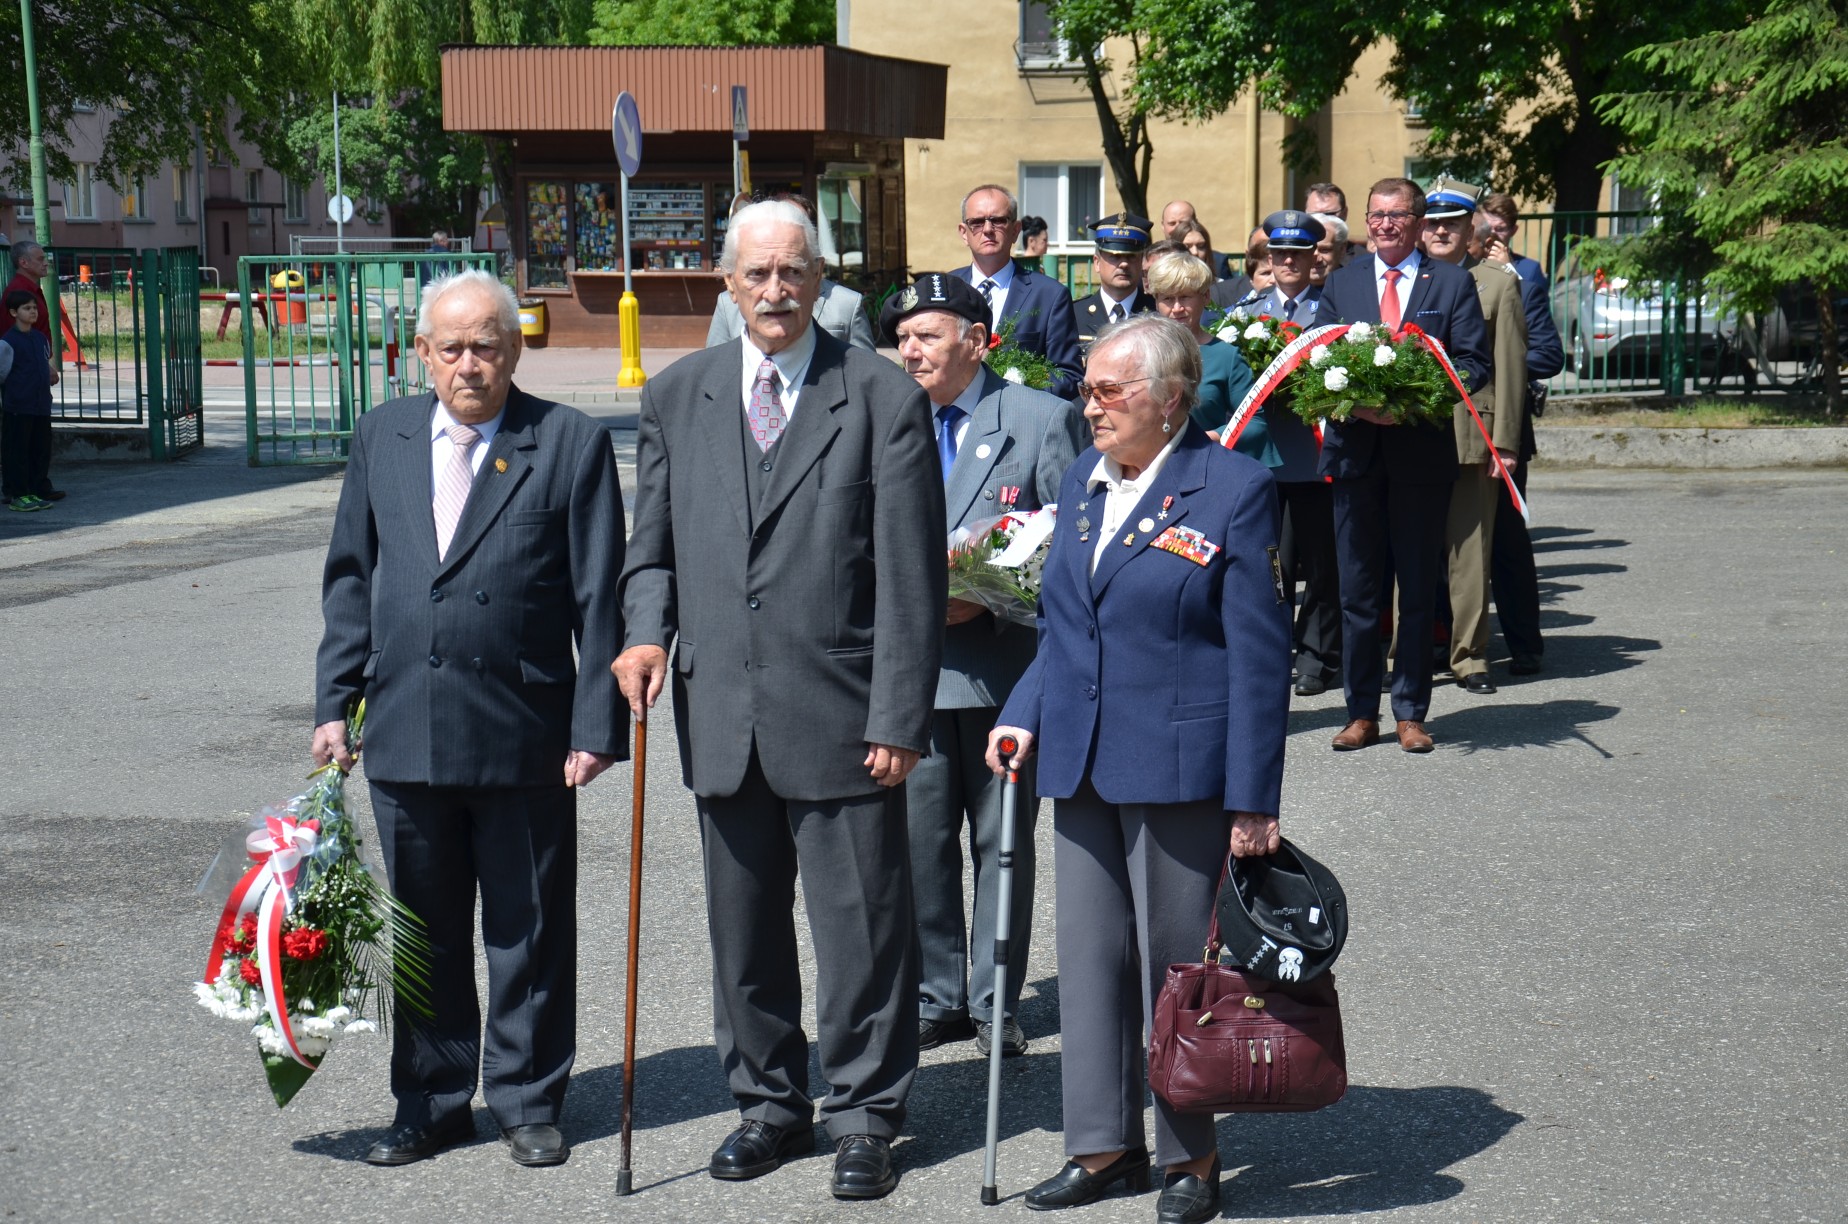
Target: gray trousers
{"type": "Point", "coordinates": [955, 960]}
{"type": "Point", "coordinates": [1136, 888]}
{"type": "Point", "coordinates": [851, 857]}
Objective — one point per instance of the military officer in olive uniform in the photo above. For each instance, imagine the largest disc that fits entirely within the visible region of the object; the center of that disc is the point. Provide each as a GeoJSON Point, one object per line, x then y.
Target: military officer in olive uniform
{"type": "Point", "coordinates": [1121, 240]}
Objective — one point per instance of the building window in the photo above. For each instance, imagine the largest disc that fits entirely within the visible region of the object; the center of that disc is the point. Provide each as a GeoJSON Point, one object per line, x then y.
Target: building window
{"type": "Point", "coordinates": [182, 193]}
{"type": "Point", "coordinates": [23, 212]}
{"type": "Point", "coordinates": [80, 193]}
{"type": "Point", "coordinates": [295, 200]}
{"type": "Point", "coordinates": [1068, 196]}
{"type": "Point", "coordinates": [1039, 46]}
{"type": "Point", "coordinates": [253, 195]}
{"type": "Point", "coordinates": [135, 200]}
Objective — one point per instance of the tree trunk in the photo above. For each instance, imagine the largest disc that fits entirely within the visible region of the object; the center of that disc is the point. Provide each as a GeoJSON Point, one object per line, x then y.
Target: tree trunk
{"type": "Point", "coordinates": [1578, 170]}
{"type": "Point", "coordinates": [1120, 149]}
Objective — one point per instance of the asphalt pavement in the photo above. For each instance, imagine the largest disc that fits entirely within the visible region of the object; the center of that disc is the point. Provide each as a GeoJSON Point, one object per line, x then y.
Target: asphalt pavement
{"type": "Point", "coordinates": [1597, 971]}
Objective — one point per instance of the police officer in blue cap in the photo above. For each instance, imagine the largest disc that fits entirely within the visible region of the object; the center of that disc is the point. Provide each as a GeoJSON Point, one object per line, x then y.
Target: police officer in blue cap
{"type": "Point", "coordinates": [1121, 239]}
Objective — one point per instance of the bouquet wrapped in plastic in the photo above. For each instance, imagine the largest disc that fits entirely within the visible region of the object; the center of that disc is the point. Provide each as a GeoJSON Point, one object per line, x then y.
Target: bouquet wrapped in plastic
{"type": "Point", "coordinates": [998, 564]}
{"type": "Point", "coordinates": [309, 939]}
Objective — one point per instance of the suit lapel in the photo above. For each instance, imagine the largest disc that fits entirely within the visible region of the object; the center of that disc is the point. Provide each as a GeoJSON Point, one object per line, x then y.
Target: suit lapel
{"type": "Point", "coordinates": [721, 406]}
{"type": "Point", "coordinates": [1185, 472]}
{"type": "Point", "coordinates": [409, 472]}
{"type": "Point", "coordinates": [970, 471]}
{"type": "Point", "coordinates": [812, 429]}
{"type": "Point", "coordinates": [1421, 287]}
{"type": "Point", "coordinates": [503, 469]}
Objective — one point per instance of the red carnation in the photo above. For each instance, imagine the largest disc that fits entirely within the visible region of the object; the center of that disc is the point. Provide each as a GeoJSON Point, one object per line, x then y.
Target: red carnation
{"type": "Point", "coordinates": [994, 341]}
{"type": "Point", "coordinates": [246, 935]}
{"type": "Point", "coordinates": [247, 969]}
{"type": "Point", "coordinates": [304, 944]}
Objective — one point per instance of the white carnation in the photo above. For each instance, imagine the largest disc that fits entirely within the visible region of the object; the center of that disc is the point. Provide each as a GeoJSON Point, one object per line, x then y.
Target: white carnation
{"type": "Point", "coordinates": [1228, 333]}
{"type": "Point", "coordinates": [1318, 356]}
{"type": "Point", "coordinates": [362, 1026]}
{"type": "Point", "coordinates": [340, 1014]}
{"type": "Point", "coordinates": [1256, 332]}
{"type": "Point", "coordinates": [1336, 379]}
{"type": "Point", "coordinates": [1385, 355]}
{"type": "Point", "coordinates": [1013, 375]}
{"type": "Point", "coordinates": [1239, 315]}
{"type": "Point", "coordinates": [1360, 331]}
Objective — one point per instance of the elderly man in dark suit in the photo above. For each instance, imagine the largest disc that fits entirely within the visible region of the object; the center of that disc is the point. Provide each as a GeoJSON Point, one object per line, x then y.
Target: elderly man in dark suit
{"type": "Point", "coordinates": [478, 540]}
{"type": "Point", "coordinates": [1001, 448]}
{"type": "Point", "coordinates": [1392, 482]}
{"type": "Point", "coordinates": [1036, 307]}
{"type": "Point", "coordinates": [789, 546]}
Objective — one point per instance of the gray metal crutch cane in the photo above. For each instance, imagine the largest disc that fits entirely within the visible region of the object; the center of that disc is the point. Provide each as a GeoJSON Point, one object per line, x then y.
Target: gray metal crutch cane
{"type": "Point", "coordinates": [624, 1176]}
{"type": "Point", "coordinates": [1007, 746]}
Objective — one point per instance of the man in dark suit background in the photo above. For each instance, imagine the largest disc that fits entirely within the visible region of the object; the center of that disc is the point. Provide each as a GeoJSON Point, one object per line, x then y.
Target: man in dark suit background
{"type": "Point", "coordinates": [789, 546]}
{"type": "Point", "coordinates": [1121, 241]}
{"type": "Point", "coordinates": [478, 539]}
{"type": "Point", "coordinates": [1037, 307]}
{"type": "Point", "coordinates": [1001, 448]}
{"type": "Point", "coordinates": [1392, 482]}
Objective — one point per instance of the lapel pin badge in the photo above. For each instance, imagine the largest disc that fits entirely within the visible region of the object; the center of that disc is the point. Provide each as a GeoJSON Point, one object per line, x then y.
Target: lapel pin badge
{"type": "Point", "coordinates": [500, 465]}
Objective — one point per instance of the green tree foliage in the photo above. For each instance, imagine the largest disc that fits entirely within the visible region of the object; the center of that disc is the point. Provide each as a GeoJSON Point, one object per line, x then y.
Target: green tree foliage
{"type": "Point", "coordinates": [167, 68]}
{"type": "Point", "coordinates": [738, 23]}
{"type": "Point", "coordinates": [430, 179]}
{"type": "Point", "coordinates": [1743, 137]}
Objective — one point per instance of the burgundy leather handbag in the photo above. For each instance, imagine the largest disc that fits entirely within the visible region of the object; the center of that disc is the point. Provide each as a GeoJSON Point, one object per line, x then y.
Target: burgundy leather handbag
{"type": "Point", "coordinates": [1227, 1042]}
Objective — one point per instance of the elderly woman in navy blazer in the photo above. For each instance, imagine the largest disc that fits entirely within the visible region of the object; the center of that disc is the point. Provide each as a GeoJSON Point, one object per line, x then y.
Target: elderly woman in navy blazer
{"type": "Point", "coordinates": [1158, 705]}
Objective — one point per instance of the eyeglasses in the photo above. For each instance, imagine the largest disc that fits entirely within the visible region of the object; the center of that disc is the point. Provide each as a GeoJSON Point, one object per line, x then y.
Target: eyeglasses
{"type": "Point", "coordinates": [1106, 395]}
{"type": "Point", "coordinates": [1397, 216]}
{"type": "Point", "coordinates": [985, 223]}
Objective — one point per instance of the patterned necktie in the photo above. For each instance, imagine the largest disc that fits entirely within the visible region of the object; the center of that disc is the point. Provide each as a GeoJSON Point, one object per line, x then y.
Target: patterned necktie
{"type": "Point", "coordinates": [988, 288]}
{"type": "Point", "coordinates": [1389, 302]}
{"type": "Point", "coordinates": [765, 413]}
{"type": "Point", "coordinates": [948, 418]}
{"type": "Point", "coordinates": [452, 489]}
{"type": "Point", "coordinates": [1116, 313]}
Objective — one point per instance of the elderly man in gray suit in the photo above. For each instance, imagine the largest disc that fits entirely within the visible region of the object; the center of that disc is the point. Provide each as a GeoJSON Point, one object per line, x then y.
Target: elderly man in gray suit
{"type": "Point", "coordinates": [478, 540]}
{"type": "Point", "coordinates": [788, 545]}
{"type": "Point", "coordinates": [1001, 448]}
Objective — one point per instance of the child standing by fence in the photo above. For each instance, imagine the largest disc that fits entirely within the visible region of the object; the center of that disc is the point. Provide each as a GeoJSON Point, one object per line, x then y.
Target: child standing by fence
{"type": "Point", "coordinates": [26, 377]}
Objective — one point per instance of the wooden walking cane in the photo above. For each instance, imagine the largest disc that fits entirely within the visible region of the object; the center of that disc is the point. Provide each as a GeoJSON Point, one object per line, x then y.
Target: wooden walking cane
{"type": "Point", "coordinates": [624, 1174]}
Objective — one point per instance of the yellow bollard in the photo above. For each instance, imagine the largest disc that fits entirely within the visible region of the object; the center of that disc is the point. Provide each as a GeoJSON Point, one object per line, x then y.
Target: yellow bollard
{"type": "Point", "coordinates": [630, 314]}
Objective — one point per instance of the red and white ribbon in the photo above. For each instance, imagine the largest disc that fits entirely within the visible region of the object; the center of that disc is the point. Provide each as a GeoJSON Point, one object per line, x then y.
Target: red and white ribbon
{"type": "Point", "coordinates": [1436, 348]}
{"type": "Point", "coordinates": [279, 848]}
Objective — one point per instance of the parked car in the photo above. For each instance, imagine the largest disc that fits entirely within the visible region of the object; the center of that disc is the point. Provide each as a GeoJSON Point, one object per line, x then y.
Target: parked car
{"type": "Point", "coordinates": [1614, 329]}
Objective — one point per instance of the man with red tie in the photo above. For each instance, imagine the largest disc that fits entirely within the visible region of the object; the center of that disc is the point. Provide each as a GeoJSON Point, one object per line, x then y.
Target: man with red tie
{"type": "Point", "coordinates": [1392, 482]}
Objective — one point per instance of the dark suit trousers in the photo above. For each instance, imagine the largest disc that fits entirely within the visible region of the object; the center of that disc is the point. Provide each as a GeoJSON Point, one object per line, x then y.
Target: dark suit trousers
{"type": "Point", "coordinates": [1511, 569]}
{"type": "Point", "coordinates": [956, 961]}
{"type": "Point", "coordinates": [1308, 550]}
{"type": "Point", "coordinates": [519, 845]}
{"type": "Point", "coordinates": [1377, 517]}
{"type": "Point", "coordinates": [1136, 890]}
{"type": "Point", "coordinates": [851, 857]}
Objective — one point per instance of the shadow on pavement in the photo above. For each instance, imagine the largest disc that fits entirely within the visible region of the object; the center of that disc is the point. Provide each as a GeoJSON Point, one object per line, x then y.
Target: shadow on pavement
{"type": "Point", "coordinates": [1595, 654]}
{"type": "Point", "coordinates": [671, 1087]}
{"type": "Point", "coordinates": [1550, 573]}
{"type": "Point", "coordinates": [1563, 545]}
{"type": "Point", "coordinates": [1493, 726]}
{"type": "Point", "coordinates": [352, 1144]}
{"type": "Point", "coordinates": [1378, 1149]}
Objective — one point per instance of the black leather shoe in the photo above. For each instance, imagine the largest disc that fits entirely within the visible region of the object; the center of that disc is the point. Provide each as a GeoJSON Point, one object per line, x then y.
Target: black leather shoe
{"type": "Point", "coordinates": [934, 1033]}
{"type": "Point", "coordinates": [1524, 665]}
{"type": "Point", "coordinates": [537, 1143]}
{"type": "Point", "coordinates": [1310, 686]}
{"type": "Point", "coordinates": [409, 1142]}
{"type": "Point", "coordinates": [1189, 1199]}
{"type": "Point", "coordinates": [1073, 1187]}
{"type": "Point", "coordinates": [757, 1148]}
{"type": "Point", "coordinates": [1013, 1041]}
{"type": "Point", "coordinates": [1477, 683]}
{"type": "Point", "coordinates": [863, 1168]}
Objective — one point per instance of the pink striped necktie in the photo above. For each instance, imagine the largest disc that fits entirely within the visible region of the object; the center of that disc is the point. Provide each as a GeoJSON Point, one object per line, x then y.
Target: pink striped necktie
{"type": "Point", "coordinates": [452, 488]}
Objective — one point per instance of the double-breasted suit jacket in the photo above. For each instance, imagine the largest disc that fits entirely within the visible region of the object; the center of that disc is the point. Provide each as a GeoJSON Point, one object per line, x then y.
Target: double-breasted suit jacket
{"type": "Point", "coordinates": [1118, 694]}
{"type": "Point", "coordinates": [476, 649]}
{"type": "Point", "coordinates": [1040, 310]}
{"type": "Point", "coordinates": [812, 622]}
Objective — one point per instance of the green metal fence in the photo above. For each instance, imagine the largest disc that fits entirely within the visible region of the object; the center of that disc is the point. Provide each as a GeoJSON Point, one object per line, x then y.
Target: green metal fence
{"type": "Point", "coordinates": [326, 337]}
{"type": "Point", "coordinates": [100, 340]}
{"type": "Point", "coordinates": [169, 284]}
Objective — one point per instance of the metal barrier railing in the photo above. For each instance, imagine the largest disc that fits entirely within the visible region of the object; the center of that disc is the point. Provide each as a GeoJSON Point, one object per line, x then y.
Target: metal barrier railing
{"type": "Point", "coordinates": [176, 396]}
{"type": "Point", "coordinates": [336, 340]}
{"type": "Point", "coordinates": [99, 340]}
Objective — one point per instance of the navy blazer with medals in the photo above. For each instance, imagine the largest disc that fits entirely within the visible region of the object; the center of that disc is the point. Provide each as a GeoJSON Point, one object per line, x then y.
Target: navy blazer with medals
{"type": "Point", "coordinates": [1040, 309]}
{"type": "Point", "coordinates": [1158, 679]}
{"type": "Point", "coordinates": [1444, 304]}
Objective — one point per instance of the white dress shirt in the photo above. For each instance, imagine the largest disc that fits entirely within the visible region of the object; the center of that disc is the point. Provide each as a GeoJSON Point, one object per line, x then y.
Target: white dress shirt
{"type": "Point", "coordinates": [792, 365]}
{"type": "Point", "coordinates": [1112, 303]}
{"type": "Point", "coordinates": [441, 448]}
{"type": "Point", "coordinates": [997, 297]}
{"type": "Point", "coordinates": [1122, 494]}
{"type": "Point", "coordinates": [1409, 267]}
{"type": "Point", "coordinates": [970, 397]}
